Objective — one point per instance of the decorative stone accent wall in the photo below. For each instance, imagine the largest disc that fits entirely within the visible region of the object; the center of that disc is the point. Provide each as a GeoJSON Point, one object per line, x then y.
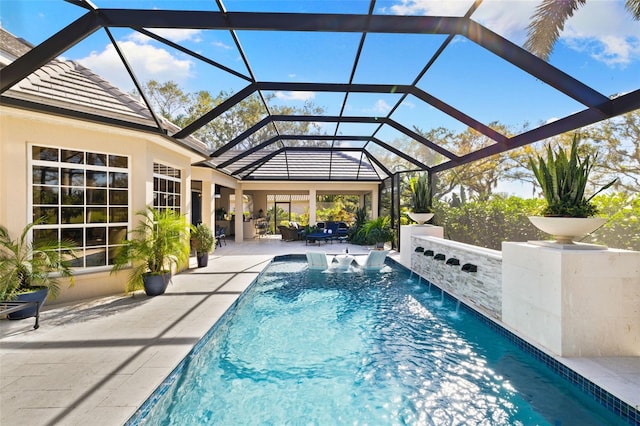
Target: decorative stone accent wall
{"type": "Point", "coordinates": [481, 289]}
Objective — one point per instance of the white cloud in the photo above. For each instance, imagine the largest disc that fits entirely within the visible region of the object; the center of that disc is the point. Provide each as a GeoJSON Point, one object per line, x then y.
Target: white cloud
{"type": "Point", "coordinates": [606, 31]}
{"type": "Point", "coordinates": [509, 22]}
{"type": "Point", "coordinates": [408, 104]}
{"type": "Point", "coordinates": [381, 106]}
{"type": "Point", "coordinates": [176, 35]}
{"type": "Point", "coordinates": [295, 96]}
{"type": "Point", "coordinates": [431, 7]}
{"type": "Point", "coordinates": [221, 45]}
{"type": "Point", "coordinates": [509, 19]}
{"type": "Point", "coordinates": [601, 28]}
{"type": "Point", "coordinates": [148, 62]}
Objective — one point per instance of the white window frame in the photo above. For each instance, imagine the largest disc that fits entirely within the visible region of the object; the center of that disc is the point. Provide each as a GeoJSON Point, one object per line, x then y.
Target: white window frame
{"type": "Point", "coordinates": [158, 173]}
{"type": "Point", "coordinates": [82, 251]}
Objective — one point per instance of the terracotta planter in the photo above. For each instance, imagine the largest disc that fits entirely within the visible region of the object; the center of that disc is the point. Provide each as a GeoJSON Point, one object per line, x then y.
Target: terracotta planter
{"type": "Point", "coordinates": [421, 218]}
{"type": "Point", "coordinates": [156, 284]}
{"type": "Point", "coordinates": [565, 229]}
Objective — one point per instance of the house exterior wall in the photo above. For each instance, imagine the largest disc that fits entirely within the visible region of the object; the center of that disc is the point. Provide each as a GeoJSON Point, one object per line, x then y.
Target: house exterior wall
{"type": "Point", "coordinates": [21, 129]}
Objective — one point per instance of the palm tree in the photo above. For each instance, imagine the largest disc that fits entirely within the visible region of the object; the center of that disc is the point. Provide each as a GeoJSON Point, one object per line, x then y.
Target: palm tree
{"type": "Point", "coordinates": [549, 19]}
{"type": "Point", "coordinates": [28, 265]}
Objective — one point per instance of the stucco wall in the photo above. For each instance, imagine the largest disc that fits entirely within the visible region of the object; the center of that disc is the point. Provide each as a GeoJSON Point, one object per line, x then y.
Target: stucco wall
{"type": "Point", "coordinates": [481, 290]}
{"type": "Point", "coordinates": [21, 129]}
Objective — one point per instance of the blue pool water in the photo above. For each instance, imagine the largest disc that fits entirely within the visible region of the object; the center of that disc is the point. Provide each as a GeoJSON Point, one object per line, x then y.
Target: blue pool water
{"type": "Point", "coordinates": [304, 347]}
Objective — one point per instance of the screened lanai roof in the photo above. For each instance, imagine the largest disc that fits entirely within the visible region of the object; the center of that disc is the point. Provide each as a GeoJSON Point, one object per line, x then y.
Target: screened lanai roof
{"type": "Point", "coordinates": [379, 75]}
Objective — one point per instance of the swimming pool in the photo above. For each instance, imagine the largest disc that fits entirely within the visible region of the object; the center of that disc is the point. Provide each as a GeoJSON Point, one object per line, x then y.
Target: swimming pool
{"type": "Point", "coordinates": [361, 348]}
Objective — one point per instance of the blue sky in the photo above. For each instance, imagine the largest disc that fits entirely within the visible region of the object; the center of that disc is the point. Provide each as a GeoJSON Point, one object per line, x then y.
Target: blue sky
{"type": "Point", "coordinates": [600, 46]}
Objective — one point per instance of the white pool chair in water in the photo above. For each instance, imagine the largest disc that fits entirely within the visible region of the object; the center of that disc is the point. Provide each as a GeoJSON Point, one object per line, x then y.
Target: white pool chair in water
{"type": "Point", "coordinates": [317, 261]}
{"type": "Point", "coordinates": [374, 260]}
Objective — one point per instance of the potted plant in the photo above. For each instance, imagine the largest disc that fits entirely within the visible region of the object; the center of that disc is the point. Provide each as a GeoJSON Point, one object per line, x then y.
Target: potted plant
{"type": "Point", "coordinates": [563, 179]}
{"type": "Point", "coordinates": [159, 243]}
{"type": "Point", "coordinates": [378, 231]}
{"type": "Point", "coordinates": [221, 212]}
{"type": "Point", "coordinates": [203, 242]}
{"type": "Point", "coordinates": [32, 270]}
{"type": "Point", "coordinates": [420, 199]}
{"type": "Point", "coordinates": [355, 234]}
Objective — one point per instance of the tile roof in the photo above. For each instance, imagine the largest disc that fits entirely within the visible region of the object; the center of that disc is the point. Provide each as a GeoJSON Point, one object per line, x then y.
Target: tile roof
{"type": "Point", "coordinates": [71, 86]}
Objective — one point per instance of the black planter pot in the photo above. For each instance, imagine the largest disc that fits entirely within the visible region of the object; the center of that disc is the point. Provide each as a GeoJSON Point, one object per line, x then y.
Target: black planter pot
{"type": "Point", "coordinates": [39, 296]}
{"type": "Point", "coordinates": [156, 284]}
{"type": "Point", "coordinates": [203, 259]}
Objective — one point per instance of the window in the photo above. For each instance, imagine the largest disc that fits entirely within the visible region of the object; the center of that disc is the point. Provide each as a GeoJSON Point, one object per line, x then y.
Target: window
{"type": "Point", "coordinates": [82, 197]}
{"type": "Point", "coordinates": [167, 184]}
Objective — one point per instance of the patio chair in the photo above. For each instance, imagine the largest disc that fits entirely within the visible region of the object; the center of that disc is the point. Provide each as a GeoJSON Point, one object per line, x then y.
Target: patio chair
{"type": "Point", "coordinates": [332, 230]}
{"type": "Point", "coordinates": [343, 229]}
{"type": "Point", "coordinates": [374, 260]}
{"type": "Point", "coordinates": [317, 261]}
{"type": "Point", "coordinates": [220, 236]}
{"type": "Point", "coordinates": [288, 234]}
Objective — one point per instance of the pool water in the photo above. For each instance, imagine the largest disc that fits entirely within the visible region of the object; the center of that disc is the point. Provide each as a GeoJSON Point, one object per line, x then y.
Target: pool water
{"type": "Point", "coordinates": [306, 347]}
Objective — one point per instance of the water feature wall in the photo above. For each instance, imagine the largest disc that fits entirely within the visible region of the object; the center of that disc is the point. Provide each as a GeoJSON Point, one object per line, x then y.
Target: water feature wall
{"type": "Point", "coordinates": [470, 273]}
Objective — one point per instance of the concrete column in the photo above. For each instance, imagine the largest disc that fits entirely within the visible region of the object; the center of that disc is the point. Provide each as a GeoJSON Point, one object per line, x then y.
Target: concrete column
{"type": "Point", "coordinates": [312, 206]}
{"type": "Point", "coordinates": [208, 203]}
{"type": "Point", "coordinates": [186, 197]}
{"type": "Point", "coordinates": [239, 222]}
{"type": "Point", "coordinates": [374, 204]}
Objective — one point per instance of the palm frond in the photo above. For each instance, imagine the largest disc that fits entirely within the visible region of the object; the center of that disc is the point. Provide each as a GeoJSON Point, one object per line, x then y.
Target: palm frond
{"type": "Point", "coordinates": [26, 264]}
{"type": "Point", "coordinates": [546, 24]}
{"type": "Point", "coordinates": [633, 6]}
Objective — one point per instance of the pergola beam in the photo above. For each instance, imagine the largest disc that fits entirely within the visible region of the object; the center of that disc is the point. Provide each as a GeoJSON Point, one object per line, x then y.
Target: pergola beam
{"type": "Point", "coordinates": [325, 138]}
{"type": "Point", "coordinates": [598, 106]}
{"type": "Point", "coordinates": [326, 22]}
{"type": "Point", "coordinates": [215, 112]}
{"type": "Point", "coordinates": [618, 106]}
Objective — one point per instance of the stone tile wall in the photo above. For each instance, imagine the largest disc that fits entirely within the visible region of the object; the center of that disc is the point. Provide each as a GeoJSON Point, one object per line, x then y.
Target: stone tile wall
{"type": "Point", "coordinates": [481, 290]}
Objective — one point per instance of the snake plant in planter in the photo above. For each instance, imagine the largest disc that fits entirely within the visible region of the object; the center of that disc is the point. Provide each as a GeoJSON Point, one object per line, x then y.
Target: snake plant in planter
{"type": "Point", "coordinates": [158, 244]}
{"type": "Point", "coordinates": [420, 199]}
{"type": "Point", "coordinates": [563, 179]}
{"type": "Point", "coordinates": [32, 270]}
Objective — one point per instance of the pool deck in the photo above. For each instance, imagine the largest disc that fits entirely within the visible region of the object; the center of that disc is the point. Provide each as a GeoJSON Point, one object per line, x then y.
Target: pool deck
{"type": "Point", "coordinates": [95, 362]}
